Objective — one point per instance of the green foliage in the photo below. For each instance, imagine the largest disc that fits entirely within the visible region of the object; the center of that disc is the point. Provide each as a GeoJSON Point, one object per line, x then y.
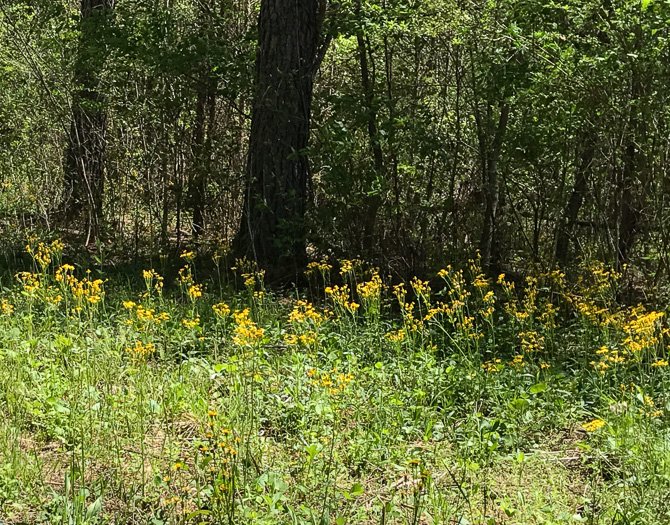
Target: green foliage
{"type": "Point", "coordinates": [459, 399]}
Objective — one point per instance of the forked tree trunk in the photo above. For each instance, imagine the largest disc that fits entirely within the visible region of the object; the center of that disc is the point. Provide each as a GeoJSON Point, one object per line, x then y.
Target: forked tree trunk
{"type": "Point", "coordinates": [272, 230]}
{"type": "Point", "coordinates": [85, 156]}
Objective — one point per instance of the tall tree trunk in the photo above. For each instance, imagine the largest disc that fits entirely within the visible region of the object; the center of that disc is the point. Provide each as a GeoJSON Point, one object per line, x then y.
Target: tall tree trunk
{"type": "Point", "coordinates": [372, 200]}
{"type": "Point", "coordinates": [85, 156]}
{"type": "Point", "coordinates": [633, 160]}
{"type": "Point", "coordinates": [490, 143]}
{"type": "Point", "coordinates": [571, 211]}
{"type": "Point", "coordinates": [205, 112]}
{"type": "Point", "coordinates": [273, 229]}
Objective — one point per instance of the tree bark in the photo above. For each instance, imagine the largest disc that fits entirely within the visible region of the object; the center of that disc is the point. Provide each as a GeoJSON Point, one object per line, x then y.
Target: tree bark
{"type": "Point", "coordinates": [85, 156]}
{"type": "Point", "coordinates": [372, 200]}
{"type": "Point", "coordinates": [205, 112]}
{"type": "Point", "coordinates": [490, 144]}
{"type": "Point", "coordinates": [630, 208]}
{"type": "Point", "coordinates": [571, 211]}
{"type": "Point", "coordinates": [272, 230]}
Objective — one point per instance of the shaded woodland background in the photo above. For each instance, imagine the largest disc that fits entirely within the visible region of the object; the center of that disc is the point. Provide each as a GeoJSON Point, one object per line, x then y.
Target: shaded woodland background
{"type": "Point", "coordinates": [533, 131]}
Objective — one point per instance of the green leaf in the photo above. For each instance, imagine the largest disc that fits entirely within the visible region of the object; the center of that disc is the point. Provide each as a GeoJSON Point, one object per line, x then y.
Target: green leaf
{"type": "Point", "coordinates": [645, 4]}
{"type": "Point", "coordinates": [94, 508]}
{"type": "Point", "coordinates": [357, 489]}
{"type": "Point", "coordinates": [538, 388]}
{"type": "Point", "coordinates": [518, 404]}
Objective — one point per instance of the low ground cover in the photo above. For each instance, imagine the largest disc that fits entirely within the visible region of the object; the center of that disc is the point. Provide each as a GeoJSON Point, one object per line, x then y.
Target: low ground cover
{"type": "Point", "coordinates": [459, 400]}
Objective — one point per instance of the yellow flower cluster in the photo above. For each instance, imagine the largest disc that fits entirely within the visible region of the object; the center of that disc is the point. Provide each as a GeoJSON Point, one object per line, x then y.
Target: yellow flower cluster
{"type": "Point", "coordinates": [191, 323]}
{"type": "Point", "coordinates": [642, 330]}
{"type": "Point", "coordinates": [63, 273]}
{"type": "Point", "coordinates": [246, 332]}
{"type": "Point", "coordinates": [340, 296]}
{"type": "Point", "coordinates": [457, 285]}
{"type": "Point", "coordinates": [480, 281]}
{"type": "Point", "coordinates": [529, 300]}
{"type": "Point", "coordinates": [143, 316]}
{"type": "Point", "coordinates": [608, 357]}
{"type": "Point", "coordinates": [548, 316]}
{"type": "Point", "coordinates": [244, 265]}
{"type": "Point", "coordinates": [660, 362]}
{"type": "Point", "coordinates": [304, 312]}
{"type": "Point", "coordinates": [153, 278]}
{"type": "Point", "coordinates": [528, 307]}
{"type": "Point", "coordinates": [372, 288]}
{"type": "Point", "coordinates": [507, 286]}
{"type": "Point", "coordinates": [466, 324]}
{"type": "Point", "coordinates": [395, 336]}
{"type": "Point", "coordinates": [594, 425]}
{"type": "Point", "coordinates": [221, 309]}
{"type": "Point", "coordinates": [446, 309]}
{"type": "Point", "coordinates": [52, 297]}
{"type": "Point", "coordinates": [185, 276]}
{"type": "Point", "coordinates": [400, 293]}
{"type": "Point", "coordinates": [321, 267]}
{"type": "Point", "coordinates": [89, 290]}
{"type": "Point", "coordinates": [189, 256]}
{"type": "Point", "coordinates": [590, 310]}
{"type": "Point", "coordinates": [492, 365]}
{"type": "Point", "coordinates": [601, 366]}
{"type": "Point", "coordinates": [518, 363]}
{"type": "Point", "coordinates": [140, 352]}
{"type": "Point", "coordinates": [531, 342]}
{"type": "Point", "coordinates": [335, 382]}
{"type": "Point", "coordinates": [308, 338]}
{"type": "Point", "coordinates": [147, 314]}
{"type": "Point", "coordinates": [302, 317]}
{"type": "Point", "coordinates": [421, 288]}
{"type": "Point", "coordinates": [6, 308]}
{"type": "Point", "coordinates": [349, 266]}
{"type": "Point", "coordinates": [411, 323]}
{"type": "Point", "coordinates": [602, 280]}
{"type": "Point", "coordinates": [648, 404]}
{"type": "Point", "coordinates": [195, 291]}
{"type": "Point", "coordinates": [44, 253]}
{"type": "Point", "coordinates": [486, 313]}
{"type": "Point", "coordinates": [83, 291]}
{"type": "Point", "coordinates": [29, 281]}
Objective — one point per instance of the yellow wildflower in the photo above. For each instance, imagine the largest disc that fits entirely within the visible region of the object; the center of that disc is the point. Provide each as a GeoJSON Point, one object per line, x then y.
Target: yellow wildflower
{"type": "Point", "coordinates": [594, 425]}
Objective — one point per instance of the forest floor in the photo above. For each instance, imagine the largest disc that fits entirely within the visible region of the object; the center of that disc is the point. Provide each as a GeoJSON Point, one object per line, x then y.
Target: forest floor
{"type": "Point", "coordinates": [459, 400]}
